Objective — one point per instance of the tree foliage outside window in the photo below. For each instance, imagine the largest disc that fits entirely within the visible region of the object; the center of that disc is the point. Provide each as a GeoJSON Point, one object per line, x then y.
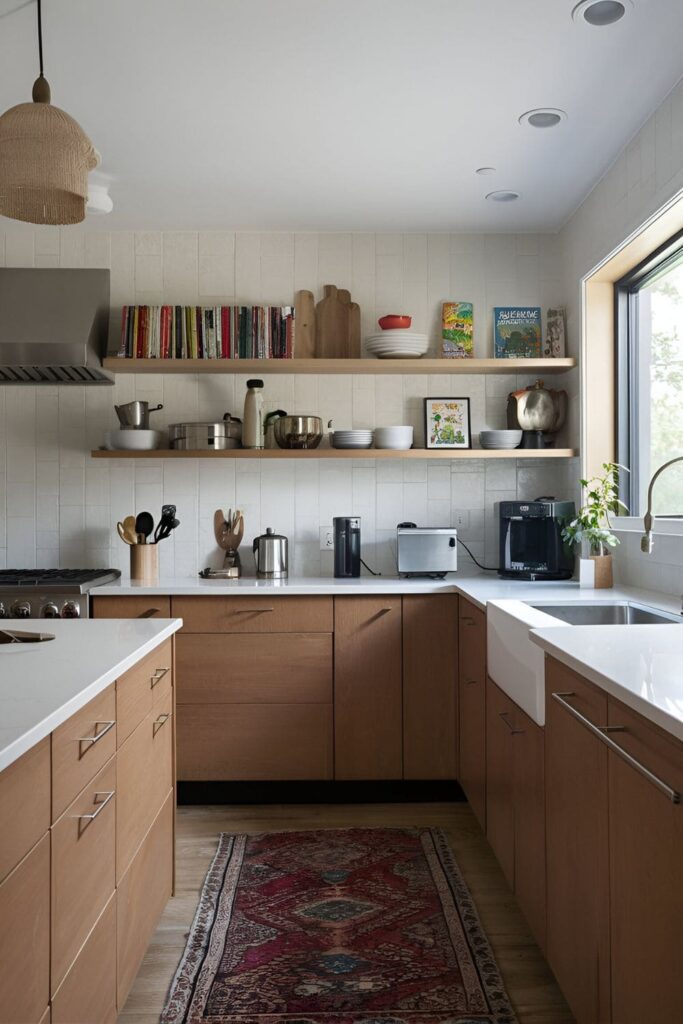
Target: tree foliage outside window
{"type": "Point", "coordinates": [666, 388]}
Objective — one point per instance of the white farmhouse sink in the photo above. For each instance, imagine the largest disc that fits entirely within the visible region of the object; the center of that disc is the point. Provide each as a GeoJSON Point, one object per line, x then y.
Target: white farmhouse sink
{"type": "Point", "coordinates": [514, 663]}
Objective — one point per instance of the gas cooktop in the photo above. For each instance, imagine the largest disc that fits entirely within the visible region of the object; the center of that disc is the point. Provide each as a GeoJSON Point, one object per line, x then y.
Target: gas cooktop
{"type": "Point", "coordinates": [49, 593]}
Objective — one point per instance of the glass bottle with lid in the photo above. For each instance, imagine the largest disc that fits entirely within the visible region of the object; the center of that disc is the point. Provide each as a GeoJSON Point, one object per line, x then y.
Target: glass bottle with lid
{"type": "Point", "coordinates": [252, 424]}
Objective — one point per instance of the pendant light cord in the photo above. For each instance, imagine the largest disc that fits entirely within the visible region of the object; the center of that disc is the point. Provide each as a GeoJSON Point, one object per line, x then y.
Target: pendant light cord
{"type": "Point", "coordinates": [40, 38]}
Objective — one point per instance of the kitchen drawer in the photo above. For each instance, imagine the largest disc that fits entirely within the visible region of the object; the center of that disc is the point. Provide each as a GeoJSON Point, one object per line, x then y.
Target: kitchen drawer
{"type": "Point", "coordinates": [253, 614]}
{"type": "Point", "coordinates": [278, 668]}
{"type": "Point", "coordinates": [88, 993]}
{"type": "Point", "coordinates": [80, 746]}
{"type": "Point", "coordinates": [83, 868]}
{"type": "Point", "coordinates": [263, 742]}
{"type": "Point", "coordinates": [134, 607]}
{"type": "Point", "coordinates": [141, 897]}
{"type": "Point", "coordinates": [472, 635]}
{"type": "Point", "coordinates": [144, 776]}
{"type": "Point", "coordinates": [24, 805]}
{"type": "Point", "coordinates": [25, 938]}
{"type": "Point", "coordinates": [141, 688]}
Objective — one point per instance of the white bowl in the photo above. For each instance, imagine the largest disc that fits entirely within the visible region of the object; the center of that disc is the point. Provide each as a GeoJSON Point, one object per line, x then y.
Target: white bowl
{"type": "Point", "coordinates": [132, 440]}
{"type": "Point", "coordinates": [397, 438]}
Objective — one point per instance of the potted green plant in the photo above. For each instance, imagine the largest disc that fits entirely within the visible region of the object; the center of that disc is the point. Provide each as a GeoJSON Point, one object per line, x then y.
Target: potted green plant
{"type": "Point", "coordinates": [592, 528]}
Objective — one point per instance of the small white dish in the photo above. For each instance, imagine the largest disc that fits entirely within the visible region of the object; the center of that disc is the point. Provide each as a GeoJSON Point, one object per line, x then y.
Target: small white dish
{"type": "Point", "coordinates": [397, 438]}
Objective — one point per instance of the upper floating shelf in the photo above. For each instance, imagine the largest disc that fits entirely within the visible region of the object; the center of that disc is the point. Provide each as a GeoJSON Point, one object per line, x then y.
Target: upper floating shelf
{"type": "Point", "coordinates": [346, 453]}
{"type": "Point", "coordinates": [400, 366]}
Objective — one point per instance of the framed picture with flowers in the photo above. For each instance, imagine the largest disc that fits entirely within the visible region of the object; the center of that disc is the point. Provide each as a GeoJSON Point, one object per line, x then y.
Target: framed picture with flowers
{"type": "Point", "coordinates": [447, 423]}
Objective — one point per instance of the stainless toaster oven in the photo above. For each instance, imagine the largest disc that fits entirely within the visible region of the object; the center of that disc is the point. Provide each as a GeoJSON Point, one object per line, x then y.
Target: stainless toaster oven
{"type": "Point", "coordinates": [426, 550]}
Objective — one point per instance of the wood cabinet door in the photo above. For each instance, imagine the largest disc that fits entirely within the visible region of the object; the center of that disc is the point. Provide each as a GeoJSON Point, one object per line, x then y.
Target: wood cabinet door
{"type": "Point", "coordinates": [25, 938]}
{"type": "Point", "coordinates": [577, 939]}
{"type": "Point", "coordinates": [646, 873]}
{"type": "Point", "coordinates": [24, 805]}
{"type": "Point", "coordinates": [131, 607]}
{"type": "Point", "coordinates": [500, 817]}
{"type": "Point", "coordinates": [529, 812]}
{"type": "Point", "coordinates": [88, 993]}
{"type": "Point", "coordinates": [368, 712]}
{"type": "Point", "coordinates": [430, 686]}
{"type": "Point", "coordinates": [472, 707]}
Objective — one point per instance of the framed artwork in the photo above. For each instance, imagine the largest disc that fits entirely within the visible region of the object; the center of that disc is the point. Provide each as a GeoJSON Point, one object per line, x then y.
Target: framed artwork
{"type": "Point", "coordinates": [457, 325]}
{"type": "Point", "coordinates": [447, 423]}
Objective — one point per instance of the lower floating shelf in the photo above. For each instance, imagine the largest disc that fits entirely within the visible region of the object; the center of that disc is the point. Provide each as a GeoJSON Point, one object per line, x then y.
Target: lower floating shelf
{"type": "Point", "coordinates": [346, 453]}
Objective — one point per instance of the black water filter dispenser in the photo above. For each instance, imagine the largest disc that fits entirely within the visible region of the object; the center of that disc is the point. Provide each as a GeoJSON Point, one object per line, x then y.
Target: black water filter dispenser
{"type": "Point", "coordinates": [346, 546]}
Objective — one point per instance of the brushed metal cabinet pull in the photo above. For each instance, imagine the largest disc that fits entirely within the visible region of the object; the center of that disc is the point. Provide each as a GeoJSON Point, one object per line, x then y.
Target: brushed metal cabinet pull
{"type": "Point", "coordinates": [513, 732]}
{"type": "Point", "coordinates": [252, 611]}
{"type": "Point", "coordinates": [157, 723]}
{"type": "Point", "coordinates": [158, 676]}
{"type": "Point", "coordinates": [601, 730]}
{"type": "Point", "coordinates": [149, 613]}
{"type": "Point", "coordinates": [90, 741]}
{"type": "Point", "coordinates": [467, 620]}
{"type": "Point", "coordinates": [85, 819]}
{"type": "Point", "coordinates": [470, 682]}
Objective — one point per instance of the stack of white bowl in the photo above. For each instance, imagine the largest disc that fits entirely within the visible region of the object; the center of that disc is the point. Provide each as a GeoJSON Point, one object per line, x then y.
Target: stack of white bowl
{"type": "Point", "coordinates": [397, 438]}
{"type": "Point", "coordinates": [397, 344]}
{"type": "Point", "coordinates": [132, 440]}
{"type": "Point", "coordinates": [500, 439]}
{"type": "Point", "coordinates": [351, 438]}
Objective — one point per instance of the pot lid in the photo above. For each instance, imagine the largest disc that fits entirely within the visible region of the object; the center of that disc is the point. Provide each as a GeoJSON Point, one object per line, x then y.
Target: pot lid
{"type": "Point", "coordinates": [269, 535]}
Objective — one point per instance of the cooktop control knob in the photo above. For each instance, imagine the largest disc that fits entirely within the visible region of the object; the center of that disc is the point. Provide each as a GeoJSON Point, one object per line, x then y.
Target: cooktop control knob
{"type": "Point", "coordinates": [50, 611]}
{"type": "Point", "coordinates": [4, 614]}
{"type": "Point", "coordinates": [71, 610]}
{"type": "Point", "coordinates": [21, 610]}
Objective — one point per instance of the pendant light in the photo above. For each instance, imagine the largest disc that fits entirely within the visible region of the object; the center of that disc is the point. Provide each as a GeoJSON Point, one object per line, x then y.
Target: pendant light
{"type": "Point", "coordinates": [45, 157]}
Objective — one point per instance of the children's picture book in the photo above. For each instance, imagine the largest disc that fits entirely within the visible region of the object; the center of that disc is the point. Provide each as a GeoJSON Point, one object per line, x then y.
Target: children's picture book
{"type": "Point", "coordinates": [457, 325]}
{"type": "Point", "coordinates": [517, 332]}
{"type": "Point", "coordinates": [555, 333]}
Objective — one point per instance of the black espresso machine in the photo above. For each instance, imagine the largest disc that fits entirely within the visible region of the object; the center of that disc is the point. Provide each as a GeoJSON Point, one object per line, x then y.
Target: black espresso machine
{"type": "Point", "coordinates": [531, 544]}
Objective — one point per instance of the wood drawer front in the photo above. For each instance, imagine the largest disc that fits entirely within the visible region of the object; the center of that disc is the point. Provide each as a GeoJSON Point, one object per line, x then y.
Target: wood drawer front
{"type": "Point", "coordinates": [131, 607]}
{"type": "Point", "coordinates": [83, 868]}
{"type": "Point", "coordinates": [278, 668]}
{"type": "Point", "coordinates": [585, 698]}
{"type": "Point", "coordinates": [655, 749]}
{"type": "Point", "coordinates": [25, 938]}
{"type": "Point", "coordinates": [24, 805]}
{"type": "Point", "coordinates": [144, 775]}
{"type": "Point", "coordinates": [254, 614]}
{"type": "Point", "coordinates": [262, 742]}
{"type": "Point", "coordinates": [141, 897]}
{"type": "Point", "coordinates": [142, 688]}
{"type": "Point", "coordinates": [80, 747]}
{"type": "Point", "coordinates": [88, 993]}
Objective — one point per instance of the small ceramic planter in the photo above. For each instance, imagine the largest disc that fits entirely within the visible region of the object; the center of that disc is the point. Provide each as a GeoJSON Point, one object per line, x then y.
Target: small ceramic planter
{"type": "Point", "coordinates": [596, 572]}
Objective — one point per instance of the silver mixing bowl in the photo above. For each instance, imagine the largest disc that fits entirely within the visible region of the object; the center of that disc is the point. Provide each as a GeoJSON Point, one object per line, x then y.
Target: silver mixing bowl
{"type": "Point", "coordinates": [298, 431]}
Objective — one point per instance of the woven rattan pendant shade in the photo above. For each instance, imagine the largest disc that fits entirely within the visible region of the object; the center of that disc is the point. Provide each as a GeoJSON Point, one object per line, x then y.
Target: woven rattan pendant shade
{"type": "Point", "coordinates": [45, 157]}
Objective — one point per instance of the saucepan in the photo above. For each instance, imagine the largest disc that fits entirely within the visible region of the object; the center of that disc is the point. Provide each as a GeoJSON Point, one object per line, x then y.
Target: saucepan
{"type": "Point", "coordinates": [135, 415]}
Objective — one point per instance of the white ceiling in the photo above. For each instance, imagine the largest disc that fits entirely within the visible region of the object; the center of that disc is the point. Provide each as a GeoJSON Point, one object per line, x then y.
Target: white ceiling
{"type": "Point", "coordinates": [344, 114]}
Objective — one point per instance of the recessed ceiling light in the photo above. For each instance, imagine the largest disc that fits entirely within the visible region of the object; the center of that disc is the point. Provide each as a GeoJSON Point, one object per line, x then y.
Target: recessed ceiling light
{"type": "Point", "coordinates": [485, 170]}
{"type": "Point", "coordinates": [601, 12]}
{"type": "Point", "coordinates": [543, 117]}
{"type": "Point", "coordinates": [504, 195]}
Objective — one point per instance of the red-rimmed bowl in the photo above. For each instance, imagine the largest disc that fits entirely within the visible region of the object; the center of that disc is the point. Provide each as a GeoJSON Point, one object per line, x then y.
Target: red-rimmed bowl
{"type": "Point", "coordinates": [393, 321]}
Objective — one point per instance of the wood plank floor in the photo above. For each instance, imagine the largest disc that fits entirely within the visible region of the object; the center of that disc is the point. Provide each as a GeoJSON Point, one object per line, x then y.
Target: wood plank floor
{"type": "Point", "coordinates": [530, 984]}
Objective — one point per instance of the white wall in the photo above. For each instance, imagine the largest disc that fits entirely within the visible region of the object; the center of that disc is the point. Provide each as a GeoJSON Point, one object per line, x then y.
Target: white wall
{"type": "Point", "coordinates": [647, 174]}
{"type": "Point", "coordinates": [59, 507]}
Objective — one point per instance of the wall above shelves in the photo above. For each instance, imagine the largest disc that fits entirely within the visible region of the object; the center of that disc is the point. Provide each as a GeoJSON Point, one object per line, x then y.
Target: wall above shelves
{"type": "Point", "coordinates": [313, 366]}
{"type": "Point", "coordinates": [337, 453]}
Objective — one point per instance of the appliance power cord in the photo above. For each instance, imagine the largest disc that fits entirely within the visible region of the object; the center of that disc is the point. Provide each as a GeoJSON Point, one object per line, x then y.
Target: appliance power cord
{"type": "Point", "coordinates": [371, 571]}
{"type": "Point", "coordinates": [486, 568]}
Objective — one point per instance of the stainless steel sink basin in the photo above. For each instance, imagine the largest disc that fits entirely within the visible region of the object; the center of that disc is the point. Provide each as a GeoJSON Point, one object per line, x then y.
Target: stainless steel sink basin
{"type": "Point", "coordinates": [611, 613]}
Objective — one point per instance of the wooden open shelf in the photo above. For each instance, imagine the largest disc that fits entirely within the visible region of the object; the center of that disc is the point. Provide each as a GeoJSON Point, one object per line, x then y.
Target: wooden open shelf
{"type": "Point", "coordinates": [346, 453]}
{"type": "Point", "coordinates": [382, 366]}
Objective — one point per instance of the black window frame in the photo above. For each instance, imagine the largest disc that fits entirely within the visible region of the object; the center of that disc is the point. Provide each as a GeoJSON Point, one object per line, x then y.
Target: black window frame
{"type": "Point", "coordinates": [626, 292]}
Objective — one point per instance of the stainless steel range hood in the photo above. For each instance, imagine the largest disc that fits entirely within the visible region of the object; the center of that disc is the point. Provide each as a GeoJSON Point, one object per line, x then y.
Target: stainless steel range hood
{"type": "Point", "coordinates": [53, 326]}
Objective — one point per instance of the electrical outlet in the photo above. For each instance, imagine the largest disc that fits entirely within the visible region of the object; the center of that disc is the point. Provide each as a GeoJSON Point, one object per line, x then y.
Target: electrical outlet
{"type": "Point", "coordinates": [461, 519]}
{"type": "Point", "coordinates": [326, 538]}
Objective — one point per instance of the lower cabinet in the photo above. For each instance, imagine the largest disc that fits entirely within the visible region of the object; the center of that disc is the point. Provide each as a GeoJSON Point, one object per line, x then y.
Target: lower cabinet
{"type": "Point", "coordinates": [515, 807]}
{"type": "Point", "coordinates": [88, 992]}
{"type": "Point", "coordinates": [472, 706]}
{"type": "Point", "coordinates": [141, 896]}
{"type": "Point", "coordinates": [25, 937]}
{"type": "Point", "coordinates": [368, 684]}
{"type": "Point", "coordinates": [430, 686]}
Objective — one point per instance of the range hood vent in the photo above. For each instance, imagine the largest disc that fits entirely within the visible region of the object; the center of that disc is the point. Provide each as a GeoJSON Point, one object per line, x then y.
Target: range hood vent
{"type": "Point", "coordinates": [53, 326]}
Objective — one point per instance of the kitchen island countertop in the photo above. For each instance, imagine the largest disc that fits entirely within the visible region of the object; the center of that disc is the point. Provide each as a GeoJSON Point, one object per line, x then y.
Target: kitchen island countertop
{"type": "Point", "coordinates": [43, 684]}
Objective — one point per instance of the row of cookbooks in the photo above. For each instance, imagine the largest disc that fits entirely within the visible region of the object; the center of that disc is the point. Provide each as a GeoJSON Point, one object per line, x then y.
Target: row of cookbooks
{"type": "Point", "coordinates": [207, 332]}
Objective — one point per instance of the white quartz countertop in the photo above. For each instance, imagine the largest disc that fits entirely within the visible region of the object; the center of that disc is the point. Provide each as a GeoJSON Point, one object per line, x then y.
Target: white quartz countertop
{"type": "Point", "coordinates": [294, 586]}
{"type": "Point", "coordinates": [43, 684]}
{"type": "Point", "coordinates": [642, 666]}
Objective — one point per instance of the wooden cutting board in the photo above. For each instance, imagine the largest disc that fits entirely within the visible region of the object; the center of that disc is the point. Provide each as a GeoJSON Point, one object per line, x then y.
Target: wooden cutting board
{"type": "Point", "coordinates": [304, 325]}
{"type": "Point", "coordinates": [354, 324]}
{"type": "Point", "coordinates": [332, 325]}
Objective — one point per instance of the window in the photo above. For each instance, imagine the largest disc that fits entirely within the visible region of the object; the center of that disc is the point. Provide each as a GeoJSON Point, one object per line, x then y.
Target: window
{"type": "Point", "coordinates": [649, 318]}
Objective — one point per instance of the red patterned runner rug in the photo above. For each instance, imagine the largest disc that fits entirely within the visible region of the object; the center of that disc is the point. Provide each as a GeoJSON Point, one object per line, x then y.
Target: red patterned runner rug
{"type": "Point", "coordinates": [353, 926]}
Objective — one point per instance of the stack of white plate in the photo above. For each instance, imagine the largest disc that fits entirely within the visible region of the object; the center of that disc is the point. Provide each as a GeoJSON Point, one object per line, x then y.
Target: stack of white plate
{"type": "Point", "coordinates": [397, 344]}
{"type": "Point", "coordinates": [502, 439]}
{"type": "Point", "coordinates": [351, 438]}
